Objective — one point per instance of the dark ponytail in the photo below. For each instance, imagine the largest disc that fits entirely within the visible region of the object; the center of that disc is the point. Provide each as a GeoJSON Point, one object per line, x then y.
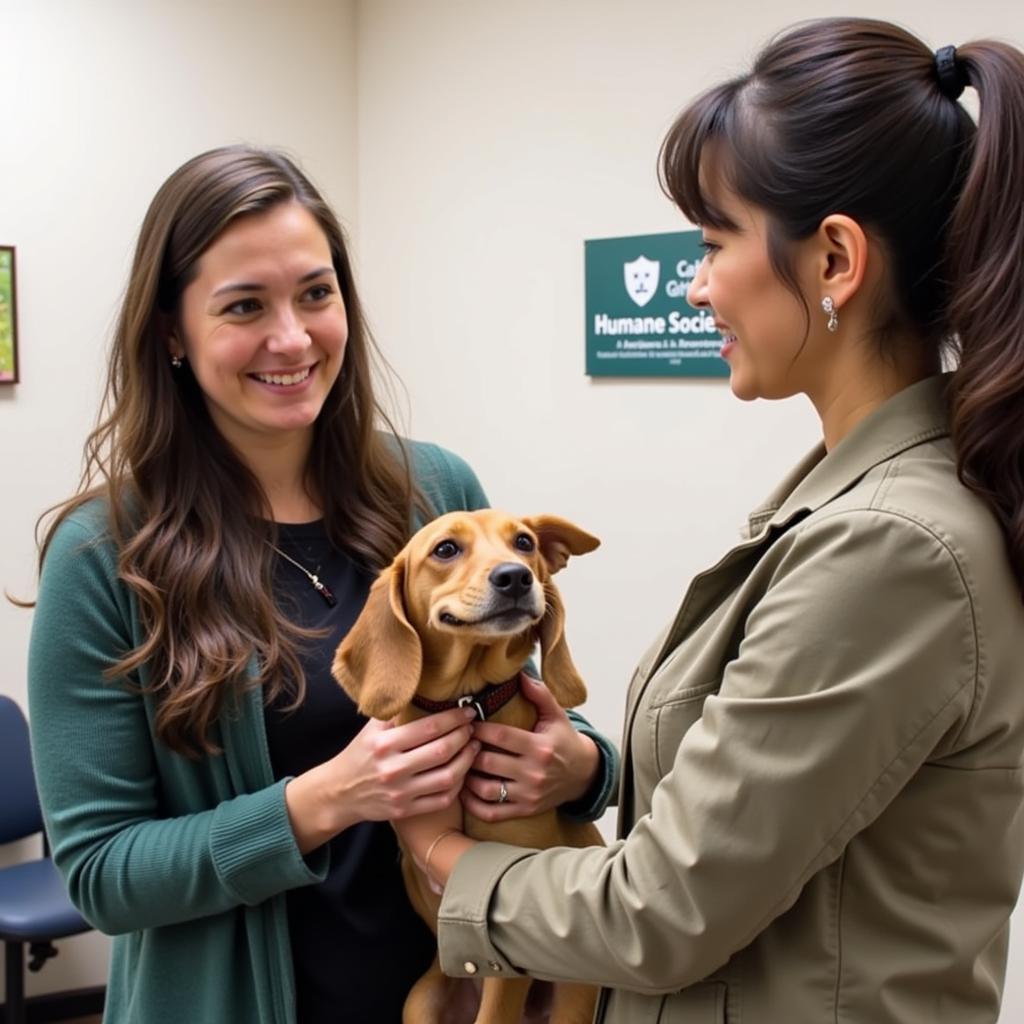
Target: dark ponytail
{"type": "Point", "coordinates": [855, 116]}
{"type": "Point", "coordinates": [986, 311]}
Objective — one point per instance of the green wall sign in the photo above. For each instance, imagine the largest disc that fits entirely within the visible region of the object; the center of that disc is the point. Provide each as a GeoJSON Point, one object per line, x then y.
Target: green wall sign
{"type": "Point", "coordinates": [639, 323]}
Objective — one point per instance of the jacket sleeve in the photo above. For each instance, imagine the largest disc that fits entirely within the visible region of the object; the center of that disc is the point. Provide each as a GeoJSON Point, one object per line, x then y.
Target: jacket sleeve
{"type": "Point", "coordinates": [129, 861]}
{"type": "Point", "coordinates": [858, 662]}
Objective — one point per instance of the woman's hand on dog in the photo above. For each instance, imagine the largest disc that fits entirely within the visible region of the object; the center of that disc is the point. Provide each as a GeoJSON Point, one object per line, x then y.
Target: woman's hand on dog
{"type": "Point", "coordinates": [387, 772]}
{"type": "Point", "coordinates": [540, 769]}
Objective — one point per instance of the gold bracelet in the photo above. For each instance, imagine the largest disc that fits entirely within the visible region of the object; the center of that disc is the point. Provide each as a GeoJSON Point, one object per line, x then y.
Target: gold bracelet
{"type": "Point", "coordinates": [430, 851]}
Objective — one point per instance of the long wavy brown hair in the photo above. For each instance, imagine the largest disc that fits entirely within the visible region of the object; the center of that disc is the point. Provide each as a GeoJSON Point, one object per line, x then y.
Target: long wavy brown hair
{"type": "Point", "coordinates": [848, 115]}
{"type": "Point", "coordinates": [189, 519]}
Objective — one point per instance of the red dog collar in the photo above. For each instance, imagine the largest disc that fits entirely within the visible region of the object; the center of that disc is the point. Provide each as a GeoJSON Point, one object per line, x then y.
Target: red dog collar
{"type": "Point", "coordinates": [485, 702]}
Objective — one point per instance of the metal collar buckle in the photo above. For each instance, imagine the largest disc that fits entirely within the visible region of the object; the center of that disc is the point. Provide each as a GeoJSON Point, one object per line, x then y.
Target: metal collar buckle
{"type": "Point", "coordinates": [477, 706]}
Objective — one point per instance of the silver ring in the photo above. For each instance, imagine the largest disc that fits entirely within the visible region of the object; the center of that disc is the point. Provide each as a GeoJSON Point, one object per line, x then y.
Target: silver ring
{"type": "Point", "coordinates": [502, 792]}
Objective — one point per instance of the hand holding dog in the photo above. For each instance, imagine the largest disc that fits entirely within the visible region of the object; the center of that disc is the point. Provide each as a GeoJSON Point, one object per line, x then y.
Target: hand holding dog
{"type": "Point", "coordinates": [387, 772]}
{"type": "Point", "coordinates": [540, 769]}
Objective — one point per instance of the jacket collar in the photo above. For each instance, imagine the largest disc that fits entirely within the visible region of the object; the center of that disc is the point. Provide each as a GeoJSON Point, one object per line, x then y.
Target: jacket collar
{"type": "Point", "coordinates": [913, 416]}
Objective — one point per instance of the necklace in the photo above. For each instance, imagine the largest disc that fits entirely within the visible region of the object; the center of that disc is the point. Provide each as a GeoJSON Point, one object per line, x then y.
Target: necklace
{"type": "Point", "coordinates": [318, 585]}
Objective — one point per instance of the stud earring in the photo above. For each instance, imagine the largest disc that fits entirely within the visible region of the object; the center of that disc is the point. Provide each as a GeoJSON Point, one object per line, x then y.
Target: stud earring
{"type": "Point", "coordinates": [176, 362]}
{"type": "Point", "coordinates": [833, 317]}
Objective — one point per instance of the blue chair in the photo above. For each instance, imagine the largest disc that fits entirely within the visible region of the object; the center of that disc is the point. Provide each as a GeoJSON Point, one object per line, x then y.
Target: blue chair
{"type": "Point", "coordinates": [34, 906]}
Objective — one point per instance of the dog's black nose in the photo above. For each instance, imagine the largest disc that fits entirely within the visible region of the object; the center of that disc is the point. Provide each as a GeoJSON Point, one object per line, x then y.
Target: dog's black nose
{"type": "Point", "coordinates": [511, 579]}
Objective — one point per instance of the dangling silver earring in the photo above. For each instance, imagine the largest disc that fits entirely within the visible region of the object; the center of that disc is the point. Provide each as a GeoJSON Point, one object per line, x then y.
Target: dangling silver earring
{"type": "Point", "coordinates": [176, 362]}
{"type": "Point", "coordinates": [833, 317]}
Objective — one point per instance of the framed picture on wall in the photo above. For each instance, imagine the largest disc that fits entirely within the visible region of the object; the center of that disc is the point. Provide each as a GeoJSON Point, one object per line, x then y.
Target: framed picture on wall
{"type": "Point", "coordinates": [8, 317]}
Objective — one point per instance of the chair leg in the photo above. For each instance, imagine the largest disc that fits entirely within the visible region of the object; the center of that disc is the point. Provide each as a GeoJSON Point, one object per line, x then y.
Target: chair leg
{"type": "Point", "coordinates": [15, 980]}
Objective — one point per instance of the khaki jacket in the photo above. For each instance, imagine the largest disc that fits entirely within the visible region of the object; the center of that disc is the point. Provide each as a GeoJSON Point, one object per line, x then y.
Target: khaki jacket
{"type": "Point", "coordinates": [821, 799]}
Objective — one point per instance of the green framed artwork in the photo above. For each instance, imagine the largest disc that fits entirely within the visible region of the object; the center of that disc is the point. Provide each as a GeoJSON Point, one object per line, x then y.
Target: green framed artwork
{"type": "Point", "coordinates": [8, 317]}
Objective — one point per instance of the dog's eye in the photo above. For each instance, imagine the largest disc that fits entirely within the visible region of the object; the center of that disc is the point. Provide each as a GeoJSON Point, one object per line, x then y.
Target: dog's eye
{"type": "Point", "coordinates": [524, 542]}
{"type": "Point", "coordinates": [445, 550]}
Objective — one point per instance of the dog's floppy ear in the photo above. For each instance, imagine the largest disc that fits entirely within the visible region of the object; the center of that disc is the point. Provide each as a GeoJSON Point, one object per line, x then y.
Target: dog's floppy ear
{"type": "Point", "coordinates": [378, 664]}
{"type": "Point", "coordinates": [558, 539]}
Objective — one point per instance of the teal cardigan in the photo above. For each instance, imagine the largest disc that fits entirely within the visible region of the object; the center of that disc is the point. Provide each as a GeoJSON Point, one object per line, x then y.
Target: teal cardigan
{"type": "Point", "coordinates": [186, 862]}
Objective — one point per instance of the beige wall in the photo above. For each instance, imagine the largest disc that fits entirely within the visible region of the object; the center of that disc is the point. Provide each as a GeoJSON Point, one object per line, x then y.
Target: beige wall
{"type": "Point", "coordinates": [495, 138]}
{"type": "Point", "coordinates": [102, 99]}
{"type": "Point", "coordinates": [476, 144]}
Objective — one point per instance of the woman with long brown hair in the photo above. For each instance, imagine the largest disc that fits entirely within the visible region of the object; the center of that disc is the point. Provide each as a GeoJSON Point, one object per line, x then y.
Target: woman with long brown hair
{"type": "Point", "coordinates": [821, 815]}
{"type": "Point", "coordinates": [212, 797]}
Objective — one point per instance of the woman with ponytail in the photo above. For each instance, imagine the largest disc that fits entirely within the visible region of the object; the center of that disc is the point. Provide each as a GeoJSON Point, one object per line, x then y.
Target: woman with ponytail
{"type": "Point", "coordinates": [212, 797]}
{"type": "Point", "coordinates": [821, 813]}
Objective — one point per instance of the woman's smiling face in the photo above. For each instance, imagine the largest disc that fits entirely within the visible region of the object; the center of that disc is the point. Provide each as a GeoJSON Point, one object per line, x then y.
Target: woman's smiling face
{"type": "Point", "coordinates": [767, 341]}
{"type": "Point", "coordinates": [263, 326]}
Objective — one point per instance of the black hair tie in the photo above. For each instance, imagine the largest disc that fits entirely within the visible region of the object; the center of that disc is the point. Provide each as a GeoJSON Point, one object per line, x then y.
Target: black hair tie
{"type": "Point", "coordinates": [952, 76]}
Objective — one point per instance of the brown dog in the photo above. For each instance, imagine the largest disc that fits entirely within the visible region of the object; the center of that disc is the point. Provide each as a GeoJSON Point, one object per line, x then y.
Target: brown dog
{"type": "Point", "coordinates": [454, 619]}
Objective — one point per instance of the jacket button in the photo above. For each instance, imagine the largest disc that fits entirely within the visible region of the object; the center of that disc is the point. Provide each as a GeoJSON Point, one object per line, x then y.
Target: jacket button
{"type": "Point", "coordinates": [469, 967]}
{"type": "Point", "coordinates": [494, 965]}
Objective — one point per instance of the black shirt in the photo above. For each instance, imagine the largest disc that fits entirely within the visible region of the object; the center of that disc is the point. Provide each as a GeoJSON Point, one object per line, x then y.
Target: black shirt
{"type": "Point", "coordinates": [357, 944]}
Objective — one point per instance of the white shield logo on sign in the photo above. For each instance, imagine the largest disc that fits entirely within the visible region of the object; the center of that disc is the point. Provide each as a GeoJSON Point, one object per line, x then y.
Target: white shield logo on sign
{"type": "Point", "coordinates": [641, 279]}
